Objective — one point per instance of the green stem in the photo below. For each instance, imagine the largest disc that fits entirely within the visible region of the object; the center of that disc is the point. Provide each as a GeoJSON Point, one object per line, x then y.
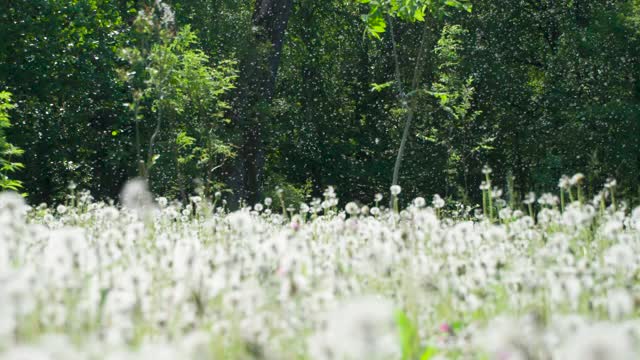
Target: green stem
{"type": "Point", "coordinates": [613, 198]}
{"type": "Point", "coordinates": [484, 203]}
{"type": "Point", "coordinates": [580, 196]}
{"type": "Point", "coordinates": [490, 197]}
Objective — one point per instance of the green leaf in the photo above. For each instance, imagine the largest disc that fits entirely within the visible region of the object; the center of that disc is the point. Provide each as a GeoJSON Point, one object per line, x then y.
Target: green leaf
{"type": "Point", "coordinates": [429, 353]}
{"type": "Point", "coordinates": [420, 14]}
{"type": "Point", "coordinates": [453, 3]}
{"type": "Point", "coordinates": [380, 87]}
{"type": "Point", "coordinates": [375, 23]}
{"type": "Point", "coordinates": [154, 160]}
{"type": "Point", "coordinates": [408, 336]}
{"type": "Point", "coordinates": [457, 326]}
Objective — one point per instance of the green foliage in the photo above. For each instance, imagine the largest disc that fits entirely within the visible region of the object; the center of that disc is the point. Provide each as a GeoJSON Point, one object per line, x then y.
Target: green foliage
{"type": "Point", "coordinates": [176, 93]}
{"type": "Point", "coordinates": [454, 92]}
{"type": "Point", "coordinates": [380, 87]}
{"type": "Point", "coordinates": [536, 90]}
{"type": "Point", "coordinates": [57, 59]}
{"type": "Point", "coordinates": [7, 150]}
{"type": "Point", "coordinates": [410, 340]}
{"type": "Point", "coordinates": [407, 10]}
{"type": "Point", "coordinates": [286, 195]}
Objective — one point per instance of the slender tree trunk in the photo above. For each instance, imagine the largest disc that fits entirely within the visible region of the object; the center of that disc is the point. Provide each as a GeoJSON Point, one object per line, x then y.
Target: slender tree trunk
{"type": "Point", "coordinates": [255, 93]}
{"type": "Point", "coordinates": [152, 140]}
{"type": "Point", "coordinates": [407, 103]}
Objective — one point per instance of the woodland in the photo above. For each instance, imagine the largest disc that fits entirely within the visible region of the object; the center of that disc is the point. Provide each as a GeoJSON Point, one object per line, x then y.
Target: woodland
{"type": "Point", "coordinates": [246, 97]}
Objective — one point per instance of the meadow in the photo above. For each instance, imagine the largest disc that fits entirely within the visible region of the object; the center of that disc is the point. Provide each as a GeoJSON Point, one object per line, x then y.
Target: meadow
{"type": "Point", "coordinates": [554, 277]}
{"type": "Point", "coordinates": [309, 180]}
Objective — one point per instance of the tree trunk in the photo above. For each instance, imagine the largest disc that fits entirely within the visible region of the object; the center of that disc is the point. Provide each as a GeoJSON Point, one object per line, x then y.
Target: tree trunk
{"type": "Point", "coordinates": [407, 103]}
{"type": "Point", "coordinates": [256, 86]}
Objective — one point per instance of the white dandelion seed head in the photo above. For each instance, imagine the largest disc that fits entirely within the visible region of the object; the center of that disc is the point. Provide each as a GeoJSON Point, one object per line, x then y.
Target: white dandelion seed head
{"type": "Point", "coordinates": [162, 202]}
{"type": "Point", "coordinates": [12, 203]}
{"type": "Point", "coordinates": [304, 208]}
{"type": "Point", "coordinates": [576, 179]}
{"type": "Point", "coordinates": [437, 202]}
{"type": "Point", "coordinates": [610, 183]}
{"type": "Point", "coordinates": [352, 208]}
{"type": "Point", "coordinates": [362, 328]}
{"type": "Point", "coordinates": [508, 338]}
{"type": "Point", "coordinates": [564, 182]}
{"type": "Point", "coordinates": [61, 209]}
{"type": "Point", "coordinates": [419, 202]}
{"type": "Point", "coordinates": [620, 256]}
{"type": "Point", "coordinates": [599, 342]}
{"type": "Point", "coordinates": [135, 195]}
{"type": "Point", "coordinates": [620, 304]}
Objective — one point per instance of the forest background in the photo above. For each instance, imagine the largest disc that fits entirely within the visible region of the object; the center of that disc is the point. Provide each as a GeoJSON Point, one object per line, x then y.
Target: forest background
{"type": "Point", "coordinates": [246, 96]}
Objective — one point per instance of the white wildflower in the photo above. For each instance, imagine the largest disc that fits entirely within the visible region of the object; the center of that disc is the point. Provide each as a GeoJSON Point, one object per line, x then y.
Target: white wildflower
{"type": "Point", "coordinates": [135, 195]}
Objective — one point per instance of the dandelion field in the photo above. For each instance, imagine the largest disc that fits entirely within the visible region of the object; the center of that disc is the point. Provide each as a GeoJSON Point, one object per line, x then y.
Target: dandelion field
{"type": "Point", "coordinates": [309, 180]}
{"type": "Point", "coordinates": [165, 280]}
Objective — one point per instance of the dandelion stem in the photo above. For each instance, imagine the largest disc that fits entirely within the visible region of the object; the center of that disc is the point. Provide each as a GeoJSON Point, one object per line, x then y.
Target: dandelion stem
{"type": "Point", "coordinates": [484, 203]}
{"type": "Point", "coordinates": [613, 198]}
{"type": "Point", "coordinates": [489, 196]}
{"type": "Point", "coordinates": [580, 196]}
{"type": "Point", "coordinates": [570, 195]}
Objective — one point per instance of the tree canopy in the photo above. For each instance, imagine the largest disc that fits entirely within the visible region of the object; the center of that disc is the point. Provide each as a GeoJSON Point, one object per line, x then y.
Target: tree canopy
{"type": "Point", "coordinates": [247, 96]}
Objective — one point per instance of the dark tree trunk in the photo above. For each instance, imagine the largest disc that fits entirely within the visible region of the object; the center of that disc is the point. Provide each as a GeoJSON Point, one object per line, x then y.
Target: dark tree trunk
{"type": "Point", "coordinates": [256, 86]}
